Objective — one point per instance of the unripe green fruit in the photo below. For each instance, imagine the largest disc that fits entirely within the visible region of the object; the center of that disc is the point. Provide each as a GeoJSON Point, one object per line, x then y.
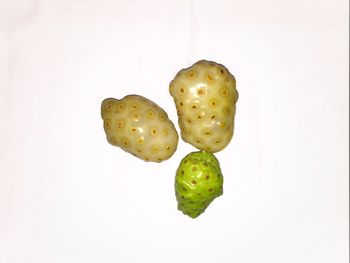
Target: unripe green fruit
{"type": "Point", "coordinates": [198, 182]}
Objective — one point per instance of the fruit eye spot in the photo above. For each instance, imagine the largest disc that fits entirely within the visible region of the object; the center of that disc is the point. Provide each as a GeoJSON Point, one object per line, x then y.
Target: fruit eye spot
{"type": "Point", "coordinates": [200, 92]}
{"type": "Point", "coordinates": [198, 140]}
{"type": "Point", "coordinates": [194, 182]}
{"type": "Point", "coordinates": [194, 169]}
{"type": "Point", "coordinates": [205, 164]}
{"type": "Point", "coordinates": [154, 131]}
{"type": "Point", "coordinates": [191, 75]}
{"type": "Point", "coordinates": [189, 120]}
{"type": "Point", "coordinates": [207, 177]}
{"type": "Point", "coordinates": [207, 132]}
{"type": "Point", "coordinates": [134, 107]}
{"type": "Point", "coordinates": [107, 124]}
{"type": "Point", "coordinates": [222, 71]}
{"type": "Point", "coordinates": [109, 107]}
{"type": "Point", "coordinates": [210, 77]}
{"type": "Point", "coordinates": [181, 103]}
{"type": "Point", "coordinates": [114, 141]}
{"type": "Point", "coordinates": [140, 141]}
{"type": "Point", "coordinates": [182, 90]}
{"type": "Point", "coordinates": [182, 172]}
{"type": "Point", "coordinates": [212, 117]}
{"type": "Point", "coordinates": [210, 189]}
{"type": "Point", "coordinates": [167, 148]}
{"type": "Point", "coordinates": [208, 149]}
{"type": "Point", "coordinates": [217, 141]}
{"type": "Point", "coordinates": [125, 142]}
{"type": "Point", "coordinates": [155, 149]}
{"type": "Point", "coordinates": [213, 103]}
{"type": "Point", "coordinates": [121, 107]}
{"type": "Point", "coordinates": [120, 124]}
{"type": "Point", "coordinates": [227, 110]}
{"type": "Point", "coordinates": [162, 117]}
{"type": "Point", "coordinates": [224, 92]}
{"type": "Point", "coordinates": [160, 159]}
{"type": "Point", "coordinates": [199, 117]}
{"type": "Point", "coordinates": [165, 131]}
{"type": "Point", "coordinates": [194, 107]}
{"type": "Point", "coordinates": [222, 125]}
{"type": "Point", "coordinates": [136, 117]}
{"type": "Point", "coordinates": [150, 114]}
{"type": "Point", "coordinates": [139, 150]}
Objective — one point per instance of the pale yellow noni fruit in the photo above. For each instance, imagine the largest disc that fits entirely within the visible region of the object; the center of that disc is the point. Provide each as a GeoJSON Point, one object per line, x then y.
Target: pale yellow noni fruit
{"type": "Point", "coordinates": [140, 127]}
{"type": "Point", "coordinates": [205, 96]}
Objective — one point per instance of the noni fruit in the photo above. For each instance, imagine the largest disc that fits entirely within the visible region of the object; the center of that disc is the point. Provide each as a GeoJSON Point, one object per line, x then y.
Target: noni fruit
{"type": "Point", "coordinates": [205, 96]}
{"type": "Point", "coordinates": [140, 127]}
{"type": "Point", "coordinates": [198, 182]}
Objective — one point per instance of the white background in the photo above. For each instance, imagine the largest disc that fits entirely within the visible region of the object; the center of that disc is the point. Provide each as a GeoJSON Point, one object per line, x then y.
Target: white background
{"type": "Point", "coordinates": [66, 195]}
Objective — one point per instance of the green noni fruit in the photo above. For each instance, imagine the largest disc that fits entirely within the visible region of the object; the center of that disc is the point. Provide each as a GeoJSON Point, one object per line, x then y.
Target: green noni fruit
{"type": "Point", "coordinates": [198, 182]}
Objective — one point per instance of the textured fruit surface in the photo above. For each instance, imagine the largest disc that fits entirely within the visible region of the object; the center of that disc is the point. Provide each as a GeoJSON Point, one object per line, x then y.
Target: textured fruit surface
{"type": "Point", "coordinates": [198, 182]}
{"type": "Point", "coordinates": [205, 96]}
{"type": "Point", "coordinates": [140, 127]}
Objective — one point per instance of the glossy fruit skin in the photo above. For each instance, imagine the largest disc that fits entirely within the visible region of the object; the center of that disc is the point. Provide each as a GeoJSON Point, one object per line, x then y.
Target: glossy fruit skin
{"type": "Point", "coordinates": [205, 96]}
{"type": "Point", "coordinates": [140, 127]}
{"type": "Point", "coordinates": [198, 182]}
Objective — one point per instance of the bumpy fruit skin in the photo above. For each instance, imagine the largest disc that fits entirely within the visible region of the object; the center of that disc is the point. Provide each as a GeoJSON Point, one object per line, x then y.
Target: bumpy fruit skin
{"type": "Point", "coordinates": [140, 127]}
{"type": "Point", "coordinates": [198, 182]}
{"type": "Point", "coordinates": [205, 96]}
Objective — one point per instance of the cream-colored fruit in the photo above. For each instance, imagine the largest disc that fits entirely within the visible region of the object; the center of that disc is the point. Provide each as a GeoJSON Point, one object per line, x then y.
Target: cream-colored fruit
{"type": "Point", "coordinates": [205, 96]}
{"type": "Point", "coordinates": [140, 127]}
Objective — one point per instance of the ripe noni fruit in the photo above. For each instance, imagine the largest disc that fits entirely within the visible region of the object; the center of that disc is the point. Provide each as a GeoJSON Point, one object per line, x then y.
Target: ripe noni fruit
{"type": "Point", "coordinates": [205, 96]}
{"type": "Point", "coordinates": [198, 182]}
{"type": "Point", "coordinates": [140, 127]}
